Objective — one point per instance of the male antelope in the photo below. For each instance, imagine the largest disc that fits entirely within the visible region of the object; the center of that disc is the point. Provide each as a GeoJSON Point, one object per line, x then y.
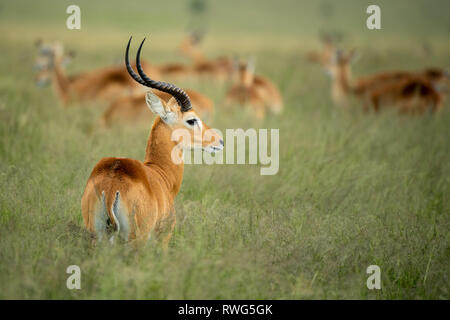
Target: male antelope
{"type": "Point", "coordinates": [131, 198]}
{"type": "Point", "coordinates": [102, 84]}
{"type": "Point", "coordinates": [391, 87]}
{"type": "Point", "coordinates": [132, 108]}
{"type": "Point", "coordinates": [254, 91]}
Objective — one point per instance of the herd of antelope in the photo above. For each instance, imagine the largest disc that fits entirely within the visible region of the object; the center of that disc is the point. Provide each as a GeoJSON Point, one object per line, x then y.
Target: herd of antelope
{"type": "Point", "coordinates": [412, 92]}
{"type": "Point", "coordinates": [132, 200]}
{"type": "Point", "coordinates": [127, 99]}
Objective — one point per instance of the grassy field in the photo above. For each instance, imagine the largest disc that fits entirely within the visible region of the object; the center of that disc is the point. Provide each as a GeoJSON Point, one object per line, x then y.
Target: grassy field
{"type": "Point", "coordinates": [353, 189]}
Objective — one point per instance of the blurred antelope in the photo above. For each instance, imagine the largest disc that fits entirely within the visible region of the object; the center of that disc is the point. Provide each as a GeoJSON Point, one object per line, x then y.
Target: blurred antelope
{"type": "Point", "coordinates": [189, 46]}
{"type": "Point", "coordinates": [392, 87]}
{"type": "Point", "coordinates": [413, 92]}
{"type": "Point", "coordinates": [43, 64]}
{"type": "Point", "coordinates": [219, 69]}
{"type": "Point", "coordinates": [101, 84]}
{"type": "Point", "coordinates": [133, 107]}
{"type": "Point", "coordinates": [173, 71]}
{"type": "Point", "coordinates": [324, 56]}
{"type": "Point", "coordinates": [254, 91]}
{"type": "Point", "coordinates": [411, 95]}
{"type": "Point", "coordinates": [129, 198]}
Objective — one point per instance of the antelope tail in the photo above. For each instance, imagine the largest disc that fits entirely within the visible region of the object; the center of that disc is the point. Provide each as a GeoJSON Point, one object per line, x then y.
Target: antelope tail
{"type": "Point", "coordinates": [114, 213]}
{"type": "Point", "coordinates": [109, 221]}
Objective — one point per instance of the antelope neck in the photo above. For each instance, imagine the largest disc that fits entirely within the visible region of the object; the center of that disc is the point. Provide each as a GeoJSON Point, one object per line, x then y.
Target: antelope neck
{"type": "Point", "coordinates": [158, 155]}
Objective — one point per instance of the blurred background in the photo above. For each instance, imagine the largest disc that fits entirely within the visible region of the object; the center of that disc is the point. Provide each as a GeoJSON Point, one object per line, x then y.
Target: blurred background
{"type": "Point", "coordinates": [234, 27]}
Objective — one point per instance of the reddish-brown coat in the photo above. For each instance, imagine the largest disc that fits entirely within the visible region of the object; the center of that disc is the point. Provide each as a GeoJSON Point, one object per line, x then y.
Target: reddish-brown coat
{"type": "Point", "coordinates": [146, 189]}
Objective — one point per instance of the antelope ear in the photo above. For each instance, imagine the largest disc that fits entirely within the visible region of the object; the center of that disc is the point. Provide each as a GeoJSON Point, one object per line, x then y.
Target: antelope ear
{"type": "Point", "coordinates": [157, 107]}
{"type": "Point", "coordinates": [154, 104]}
{"type": "Point", "coordinates": [172, 108]}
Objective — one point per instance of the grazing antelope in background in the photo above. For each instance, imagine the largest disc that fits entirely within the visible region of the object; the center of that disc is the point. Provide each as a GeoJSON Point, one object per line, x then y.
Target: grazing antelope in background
{"type": "Point", "coordinates": [392, 87]}
{"type": "Point", "coordinates": [102, 84]}
{"type": "Point", "coordinates": [254, 91]}
{"type": "Point", "coordinates": [133, 107]}
{"type": "Point", "coordinates": [131, 198]}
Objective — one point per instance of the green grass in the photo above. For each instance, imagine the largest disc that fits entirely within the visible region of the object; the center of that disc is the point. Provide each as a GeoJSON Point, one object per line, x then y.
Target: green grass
{"type": "Point", "coordinates": [353, 189]}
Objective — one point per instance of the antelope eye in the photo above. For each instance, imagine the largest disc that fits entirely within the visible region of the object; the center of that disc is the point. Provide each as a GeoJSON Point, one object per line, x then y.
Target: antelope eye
{"type": "Point", "coordinates": [191, 122]}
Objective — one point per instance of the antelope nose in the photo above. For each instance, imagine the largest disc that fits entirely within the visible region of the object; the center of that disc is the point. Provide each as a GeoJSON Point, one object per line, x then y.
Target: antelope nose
{"type": "Point", "coordinates": [221, 142]}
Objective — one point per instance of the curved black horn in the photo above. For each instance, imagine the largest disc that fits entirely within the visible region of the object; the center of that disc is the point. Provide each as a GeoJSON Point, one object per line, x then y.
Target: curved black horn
{"type": "Point", "coordinates": [130, 69]}
{"type": "Point", "coordinates": [179, 94]}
